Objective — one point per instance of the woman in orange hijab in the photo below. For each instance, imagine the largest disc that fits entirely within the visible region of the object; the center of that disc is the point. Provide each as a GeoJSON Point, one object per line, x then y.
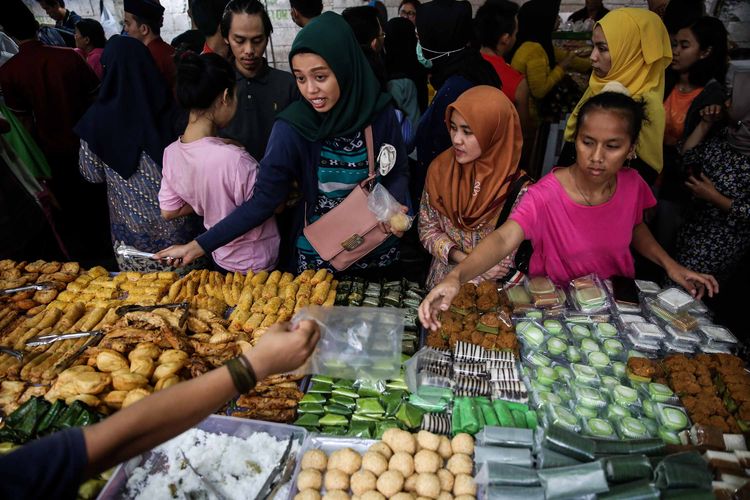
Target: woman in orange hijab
{"type": "Point", "coordinates": [469, 184]}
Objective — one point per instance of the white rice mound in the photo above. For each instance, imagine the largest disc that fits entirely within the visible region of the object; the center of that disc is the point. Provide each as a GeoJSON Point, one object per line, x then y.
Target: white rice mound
{"type": "Point", "coordinates": [237, 467]}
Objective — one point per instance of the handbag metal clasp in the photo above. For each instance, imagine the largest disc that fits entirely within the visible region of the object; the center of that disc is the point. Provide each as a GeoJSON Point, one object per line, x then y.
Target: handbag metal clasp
{"type": "Point", "coordinates": [352, 242]}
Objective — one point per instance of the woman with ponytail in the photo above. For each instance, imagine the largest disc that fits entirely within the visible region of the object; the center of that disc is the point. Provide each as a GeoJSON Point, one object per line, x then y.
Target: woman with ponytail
{"type": "Point", "coordinates": [205, 174]}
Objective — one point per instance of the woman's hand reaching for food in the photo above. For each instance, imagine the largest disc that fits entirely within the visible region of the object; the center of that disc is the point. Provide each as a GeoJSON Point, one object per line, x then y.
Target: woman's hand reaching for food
{"type": "Point", "coordinates": [438, 300]}
{"type": "Point", "coordinates": [180, 255]}
{"type": "Point", "coordinates": [398, 224]}
{"type": "Point", "coordinates": [697, 284]}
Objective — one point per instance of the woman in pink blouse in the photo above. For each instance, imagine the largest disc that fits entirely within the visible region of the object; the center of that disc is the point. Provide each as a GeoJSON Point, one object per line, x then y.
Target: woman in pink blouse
{"type": "Point", "coordinates": [90, 41]}
{"type": "Point", "coordinates": [468, 185]}
{"type": "Point", "coordinates": [582, 219]}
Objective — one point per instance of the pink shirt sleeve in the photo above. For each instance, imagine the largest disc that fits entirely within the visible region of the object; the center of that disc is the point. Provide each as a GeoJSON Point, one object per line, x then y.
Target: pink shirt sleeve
{"type": "Point", "coordinates": [168, 198]}
{"type": "Point", "coordinates": [526, 215]}
{"type": "Point", "coordinates": [246, 173]}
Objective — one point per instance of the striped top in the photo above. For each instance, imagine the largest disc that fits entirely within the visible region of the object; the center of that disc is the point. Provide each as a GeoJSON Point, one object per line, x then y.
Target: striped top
{"type": "Point", "coordinates": [342, 165]}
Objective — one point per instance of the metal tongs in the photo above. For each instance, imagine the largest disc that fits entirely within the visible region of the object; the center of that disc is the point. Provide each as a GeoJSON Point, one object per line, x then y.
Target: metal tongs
{"type": "Point", "coordinates": [131, 252]}
{"type": "Point", "coordinates": [277, 478]}
{"type": "Point", "coordinates": [57, 337]}
{"type": "Point", "coordinates": [123, 310]}
{"type": "Point", "coordinates": [12, 352]}
{"type": "Point", "coordinates": [36, 286]}
{"type": "Point", "coordinates": [209, 485]}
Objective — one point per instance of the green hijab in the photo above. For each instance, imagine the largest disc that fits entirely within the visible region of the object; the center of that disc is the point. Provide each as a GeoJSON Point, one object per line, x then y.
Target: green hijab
{"type": "Point", "coordinates": [330, 37]}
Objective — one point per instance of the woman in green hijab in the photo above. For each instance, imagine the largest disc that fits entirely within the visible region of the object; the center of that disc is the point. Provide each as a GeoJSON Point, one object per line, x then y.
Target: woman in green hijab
{"type": "Point", "coordinates": [319, 143]}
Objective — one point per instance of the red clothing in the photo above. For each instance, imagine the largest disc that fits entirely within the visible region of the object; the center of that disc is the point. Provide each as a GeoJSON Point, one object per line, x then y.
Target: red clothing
{"type": "Point", "coordinates": [56, 86]}
{"type": "Point", "coordinates": [676, 108]}
{"type": "Point", "coordinates": [206, 49]}
{"type": "Point", "coordinates": [509, 76]}
{"type": "Point", "coordinates": [163, 55]}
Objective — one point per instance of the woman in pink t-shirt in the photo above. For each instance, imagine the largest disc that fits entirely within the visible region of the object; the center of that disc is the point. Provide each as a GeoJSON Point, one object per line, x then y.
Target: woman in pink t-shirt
{"type": "Point", "coordinates": [582, 219]}
{"type": "Point", "coordinates": [90, 41]}
{"type": "Point", "coordinates": [203, 174]}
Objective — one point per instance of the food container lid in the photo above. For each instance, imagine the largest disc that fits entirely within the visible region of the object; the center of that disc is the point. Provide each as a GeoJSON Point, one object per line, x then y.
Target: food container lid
{"type": "Point", "coordinates": [715, 333]}
{"type": "Point", "coordinates": [675, 300]}
{"type": "Point", "coordinates": [647, 287]}
{"type": "Point", "coordinates": [647, 331]}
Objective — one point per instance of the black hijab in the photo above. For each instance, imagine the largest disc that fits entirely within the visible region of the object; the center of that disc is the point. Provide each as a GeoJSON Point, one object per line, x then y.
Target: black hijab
{"type": "Point", "coordinates": [134, 111]}
{"type": "Point", "coordinates": [401, 49]}
{"type": "Point", "coordinates": [536, 22]}
{"type": "Point", "coordinates": [446, 26]}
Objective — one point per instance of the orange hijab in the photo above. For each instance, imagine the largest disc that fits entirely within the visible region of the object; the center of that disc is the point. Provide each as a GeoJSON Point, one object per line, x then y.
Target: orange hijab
{"type": "Point", "coordinates": [474, 193]}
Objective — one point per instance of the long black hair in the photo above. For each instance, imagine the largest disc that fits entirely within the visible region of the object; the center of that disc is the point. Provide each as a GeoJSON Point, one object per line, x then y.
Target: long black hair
{"type": "Point", "coordinates": [536, 22]}
{"type": "Point", "coordinates": [710, 33]}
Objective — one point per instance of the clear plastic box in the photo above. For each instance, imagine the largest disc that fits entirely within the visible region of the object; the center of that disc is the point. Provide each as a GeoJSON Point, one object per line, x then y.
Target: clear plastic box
{"type": "Point", "coordinates": [675, 300]}
{"type": "Point", "coordinates": [215, 424]}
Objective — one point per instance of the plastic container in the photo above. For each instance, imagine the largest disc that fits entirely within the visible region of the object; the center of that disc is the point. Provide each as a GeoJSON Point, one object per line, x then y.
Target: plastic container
{"type": "Point", "coordinates": [631, 428]}
{"type": "Point", "coordinates": [675, 300]}
{"type": "Point", "coordinates": [600, 428]}
{"type": "Point", "coordinates": [215, 424]}
{"type": "Point", "coordinates": [671, 417]}
{"type": "Point", "coordinates": [598, 360]}
{"type": "Point", "coordinates": [589, 397]}
{"type": "Point", "coordinates": [586, 375]}
{"type": "Point", "coordinates": [530, 334]}
{"type": "Point", "coordinates": [588, 294]}
{"type": "Point", "coordinates": [647, 331]}
{"type": "Point", "coordinates": [647, 287]}
{"type": "Point", "coordinates": [717, 334]}
{"type": "Point", "coordinates": [562, 417]}
{"type": "Point", "coordinates": [606, 331]}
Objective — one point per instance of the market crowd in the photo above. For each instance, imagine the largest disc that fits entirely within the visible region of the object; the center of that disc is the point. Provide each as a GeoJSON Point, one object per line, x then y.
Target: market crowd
{"type": "Point", "coordinates": [202, 153]}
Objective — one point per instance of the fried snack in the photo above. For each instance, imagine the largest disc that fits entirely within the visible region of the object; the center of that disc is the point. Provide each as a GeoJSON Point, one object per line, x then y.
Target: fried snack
{"type": "Point", "coordinates": [260, 278]}
{"type": "Point", "coordinates": [289, 291]}
{"type": "Point", "coordinates": [331, 299]}
{"type": "Point", "coordinates": [238, 319]}
{"type": "Point", "coordinates": [274, 278]}
{"type": "Point", "coordinates": [320, 293]}
{"type": "Point", "coordinates": [253, 322]}
{"type": "Point", "coordinates": [318, 277]}
{"type": "Point", "coordinates": [306, 276]}
{"type": "Point", "coordinates": [286, 279]}
{"type": "Point", "coordinates": [166, 382]}
{"type": "Point", "coordinates": [269, 320]}
{"type": "Point", "coordinates": [126, 381]}
{"type": "Point", "coordinates": [304, 291]}
{"type": "Point", "coordinates": [270, 290]}
{"type": "Point", "coordinates": [273, 305]}
{"type": "Point", "coordinates": [258, 305]}
{"type": "Point", "coordinates": [301, 303]}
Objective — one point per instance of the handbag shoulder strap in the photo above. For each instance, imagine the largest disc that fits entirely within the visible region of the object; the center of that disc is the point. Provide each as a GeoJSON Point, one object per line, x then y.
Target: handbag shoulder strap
{"type": "Point", "coordinates": [370, 151]}
{"type": "Point", "coordinates": [510, 200]}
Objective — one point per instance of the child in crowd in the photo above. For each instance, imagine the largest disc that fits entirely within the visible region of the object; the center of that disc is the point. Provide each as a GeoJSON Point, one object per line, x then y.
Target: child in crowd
{"type": "Point", "coordinates": [204, 174]}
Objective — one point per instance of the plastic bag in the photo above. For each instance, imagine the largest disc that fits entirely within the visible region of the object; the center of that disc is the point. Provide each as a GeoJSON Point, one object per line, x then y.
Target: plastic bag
{"type": "Point", "coordinates": [573, 481]}
{"type": "Point", "coordinates": [355, 343]}
{"type": "Point", "coordinates": [426, 378]}
{"type": "Point", "coordinates": [387, 209]}
{"type": "Point", "coordinates": [109, 21]}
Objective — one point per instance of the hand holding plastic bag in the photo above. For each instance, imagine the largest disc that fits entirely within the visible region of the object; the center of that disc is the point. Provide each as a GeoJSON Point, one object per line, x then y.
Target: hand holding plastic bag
{"type": "Point", "coordinates": [355, 343]}
{"type": "Point", "coordinates": [387, 209]}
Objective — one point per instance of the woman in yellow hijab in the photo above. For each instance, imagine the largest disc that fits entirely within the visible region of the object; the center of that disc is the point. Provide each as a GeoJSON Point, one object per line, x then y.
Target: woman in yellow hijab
{"type": "Point", "coordinates": [632, 47]}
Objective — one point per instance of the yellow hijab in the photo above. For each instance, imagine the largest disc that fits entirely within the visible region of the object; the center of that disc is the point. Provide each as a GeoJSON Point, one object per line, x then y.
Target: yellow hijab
{"type": "Point", "coordinates": [641, 51]}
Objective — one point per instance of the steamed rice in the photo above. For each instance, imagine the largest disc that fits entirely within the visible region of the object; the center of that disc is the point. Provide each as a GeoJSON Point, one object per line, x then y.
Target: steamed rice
{"type": "Point", "coordinates": [237, 467]}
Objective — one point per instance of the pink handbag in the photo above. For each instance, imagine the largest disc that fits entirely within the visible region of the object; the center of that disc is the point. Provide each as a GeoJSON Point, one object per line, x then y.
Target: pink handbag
{"type": "Point", "coordinates": [350, 231]}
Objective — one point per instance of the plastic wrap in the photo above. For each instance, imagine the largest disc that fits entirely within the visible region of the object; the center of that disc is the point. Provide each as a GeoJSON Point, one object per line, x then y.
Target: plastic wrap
{"type": "Point", "coordinates": [515, 492]}
{"type": "Point", "coordinates": [683, 470]}
{"type": "Point", "coordinates": [569, 443]}
{"type": "Point", "coordinates": [387, 209]}
{"type": "Point", "coordinates": [636, 490]}
{"type": "Point", "coordinates": [506, 437]}
{"type": "Point", "coordinates": [500, 474]}
{"type": "Point", "coordinates": [355, 343]}
{"type": "Point", "coordinates": [511, 456]}
{"type": "Point", "coordinates": [588, 294]}
{"type": "Point", "coordinates": [675, 300]}
{"type": "Point", "coordinates": [627, 468]}
{"type": "Point", "coordinates": [549, 459]}
{"type": "Point", "coordinates": [572, 481]}
{"type": "Point", "coordinates": [649, 447]}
